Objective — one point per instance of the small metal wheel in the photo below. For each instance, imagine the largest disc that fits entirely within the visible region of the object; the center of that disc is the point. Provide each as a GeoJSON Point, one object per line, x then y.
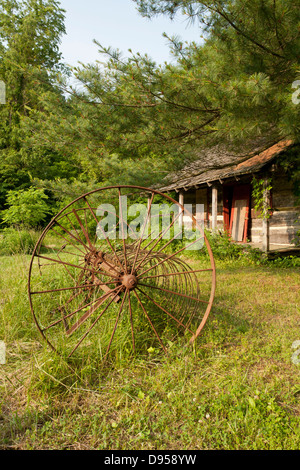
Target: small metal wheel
{"type": "Point", "coordinates": [113, 273]}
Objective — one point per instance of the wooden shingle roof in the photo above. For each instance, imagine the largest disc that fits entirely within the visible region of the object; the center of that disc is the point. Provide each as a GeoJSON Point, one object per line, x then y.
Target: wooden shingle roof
{"type": "Point", "coordinates": [218, 163]}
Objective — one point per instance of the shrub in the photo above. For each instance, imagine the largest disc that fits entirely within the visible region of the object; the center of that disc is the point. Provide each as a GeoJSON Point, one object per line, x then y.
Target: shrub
{"type": "Point", "coordinates": [26, 208]}
{"type": "Point", "coordinates": [14, 241]}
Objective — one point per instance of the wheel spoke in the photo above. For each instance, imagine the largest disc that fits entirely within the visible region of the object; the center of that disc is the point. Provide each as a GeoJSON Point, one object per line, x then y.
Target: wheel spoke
{"type": "Point", "coordinates": [131, 321]}
{"type": "Point", "coordinates": [106, 238]}
{"type": "Point", "coordinates": [141, 237]}
{"type": "Point", "coordinates": [75, 229]}
{"type": "Point", "coordinates": [83, 287]}
{"type": "Point", "coordinates": [158, 240]}
{"type": "Point", "coordinates": [68, 241]}
{"type": "Point", "coordinates": [87, 314]}
{"type": "Point", "coordinates": [78, 309]}
{"type": "Point", "coordinates": [122, 229]}
{"type": "Point", "coordinates": [116, 324]}
{"type": "Point", "coordinates": [84, 231]}
{"type": "Point", "coordinates": [73, 236]}
{"type": "Point", "coordinates": [92, 326]}
{"type": "Point", "coordinates": [71, 275]}
{"type": "Point", "coordinates": [149, 320]}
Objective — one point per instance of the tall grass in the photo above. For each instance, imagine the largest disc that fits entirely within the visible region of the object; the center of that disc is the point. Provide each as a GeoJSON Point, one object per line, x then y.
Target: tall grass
{"type": "Point", "coordinates": [236, 388]}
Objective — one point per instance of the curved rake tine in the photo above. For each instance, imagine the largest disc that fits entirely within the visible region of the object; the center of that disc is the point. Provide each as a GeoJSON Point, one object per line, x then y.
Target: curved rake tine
{"type": "Point", "coordinates": [177, 273]}
{"type": "Point", "coordinates": [166, 311]}
{"type": "Point", "coordinates": [169, 257]}
{"type": "Point", "coordinates": [148, 318]}
{"type": "Point", "coordinates": [174, 293]}
{"type": "Point", "coordinates": [158, 240]}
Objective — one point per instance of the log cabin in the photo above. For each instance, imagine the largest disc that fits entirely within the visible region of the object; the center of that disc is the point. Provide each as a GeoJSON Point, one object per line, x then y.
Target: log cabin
{"type": "Point", "coordinates": [222, 181]}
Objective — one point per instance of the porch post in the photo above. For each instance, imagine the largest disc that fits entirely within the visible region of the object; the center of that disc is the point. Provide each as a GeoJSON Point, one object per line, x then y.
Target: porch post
{"type": "Point", "coordinates": [265, 221]}
{"type": "Point", "coordinates": [181, 201]}
{"type": "Point", "coordinates": [214, 207]}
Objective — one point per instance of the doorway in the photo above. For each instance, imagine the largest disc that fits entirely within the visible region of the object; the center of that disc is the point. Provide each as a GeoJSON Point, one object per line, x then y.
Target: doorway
{"type": "Point", "coordinates": [236, 202]}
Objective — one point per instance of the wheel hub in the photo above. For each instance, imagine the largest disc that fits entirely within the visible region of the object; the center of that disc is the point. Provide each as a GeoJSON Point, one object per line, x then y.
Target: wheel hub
{"type": "Point", "coordinates": [129, 281]}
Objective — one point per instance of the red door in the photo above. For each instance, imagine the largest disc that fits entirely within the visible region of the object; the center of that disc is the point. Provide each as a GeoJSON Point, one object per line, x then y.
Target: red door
{"type": "Point", "coordinates": [240, 213]}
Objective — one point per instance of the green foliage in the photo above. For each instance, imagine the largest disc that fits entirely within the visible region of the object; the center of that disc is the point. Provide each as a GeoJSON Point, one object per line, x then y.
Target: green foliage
{"type": "Point", "coordinates": [260, 188]}
{"type": "Point", "coordinates": [223, 246]}
{"type": "Point", "coordinates": [26, 208]}
{"type": "Point", "coordinates": [30, 34]}
{"type": "Point", "coordinates": [14, 241]}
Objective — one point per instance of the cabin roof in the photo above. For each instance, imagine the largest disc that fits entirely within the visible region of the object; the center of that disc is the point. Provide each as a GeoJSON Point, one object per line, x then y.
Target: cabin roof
{"type": "Point", "coordinates": [218, 163]}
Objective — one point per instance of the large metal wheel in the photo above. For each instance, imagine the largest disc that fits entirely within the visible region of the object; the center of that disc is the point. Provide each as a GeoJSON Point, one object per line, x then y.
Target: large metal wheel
{"type": "Point", "coordinates": [103, 281]}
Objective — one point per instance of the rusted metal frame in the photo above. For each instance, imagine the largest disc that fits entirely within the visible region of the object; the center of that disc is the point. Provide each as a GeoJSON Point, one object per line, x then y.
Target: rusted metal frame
{"type": "Point", "coordinates": [152, 267]}
{"type": "Point", "coordinates": [108, 271]}
{"type": "Point", "coordinates": [169, 257]}
{"type": "Point", "coordinates": [92, 326]}
{"type": "Point", "coordinates": [157, 241]}
{"type": "Point", "coordinates": [149, 320]}
{"type": "Point", "coordinates": [141, 237]}
{"type": "Point", "coordinates": [175, 293]}
{"type": "Point", "coordinates": [164, 310]}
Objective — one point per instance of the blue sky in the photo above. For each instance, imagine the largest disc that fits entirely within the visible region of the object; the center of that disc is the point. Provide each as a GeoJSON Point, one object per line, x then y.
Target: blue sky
{"type": "Point", "coordinates": [117, 23]}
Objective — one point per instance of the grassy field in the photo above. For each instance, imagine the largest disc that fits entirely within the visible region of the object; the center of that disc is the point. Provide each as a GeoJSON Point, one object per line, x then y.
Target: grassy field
{"type": "Point", "coordinates": [238, 388]}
